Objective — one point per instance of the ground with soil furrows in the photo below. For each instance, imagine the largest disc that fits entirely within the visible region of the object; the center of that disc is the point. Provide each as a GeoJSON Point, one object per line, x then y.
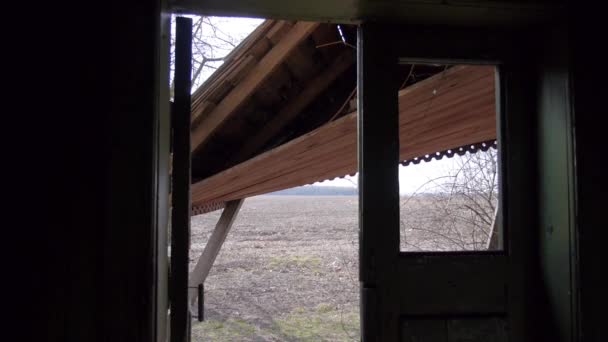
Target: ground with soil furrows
{"type": "Point", "coordinates": [287, 271]}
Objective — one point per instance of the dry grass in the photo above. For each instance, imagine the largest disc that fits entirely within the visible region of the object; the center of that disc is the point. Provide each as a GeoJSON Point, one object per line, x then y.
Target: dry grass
{"type": "Point", "coordinates": [287, 272]}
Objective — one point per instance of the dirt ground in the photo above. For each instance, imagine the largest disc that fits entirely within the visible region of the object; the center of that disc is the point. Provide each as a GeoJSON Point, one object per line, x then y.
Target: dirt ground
{"type": "Point", "coordinates": [287, 271]}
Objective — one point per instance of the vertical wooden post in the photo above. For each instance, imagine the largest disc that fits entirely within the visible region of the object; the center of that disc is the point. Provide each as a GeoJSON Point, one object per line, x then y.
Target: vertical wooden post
{"type": "Point", "coordinates": [201, 302]}
{"type": "Point", "coordinates": [180, 220]}
{"type": "Point", "coordinates": [378, 152]}
{"type": "Point", "coordinates": [163, 165]}
{"type": "Point", "coordinates": [519, 191]}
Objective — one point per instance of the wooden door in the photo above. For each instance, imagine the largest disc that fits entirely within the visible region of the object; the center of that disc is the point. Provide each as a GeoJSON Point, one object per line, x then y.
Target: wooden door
{"type": "Point", "coordinates": [472, 296]}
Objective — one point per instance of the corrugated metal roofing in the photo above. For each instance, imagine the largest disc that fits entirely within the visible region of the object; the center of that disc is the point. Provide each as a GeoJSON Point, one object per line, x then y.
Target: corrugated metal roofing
{"type": "Point", "coordinates": [444, 112]}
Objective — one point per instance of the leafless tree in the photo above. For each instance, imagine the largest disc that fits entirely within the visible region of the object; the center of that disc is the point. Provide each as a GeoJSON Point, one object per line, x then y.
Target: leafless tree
{"type": "Point", "coordinates": [212, 41]}
{"type": "Point", "coordinates": [456, 211]}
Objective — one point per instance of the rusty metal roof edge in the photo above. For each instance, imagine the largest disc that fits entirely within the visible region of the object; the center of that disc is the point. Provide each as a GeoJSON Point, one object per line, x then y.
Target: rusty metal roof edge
{"type": "Point", "coordinates": [449, 153]}
{"type": "Point", "coordinates": [471, 148]}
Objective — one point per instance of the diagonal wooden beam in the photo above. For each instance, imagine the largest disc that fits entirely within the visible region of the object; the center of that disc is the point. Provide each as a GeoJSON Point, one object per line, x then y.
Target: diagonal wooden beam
{"type": "Point", "coordinates": [212, 248]}
{"type": "Point", "coordinates": [244, 89]}
{"type": "Point", "coordinates": [312, 89]}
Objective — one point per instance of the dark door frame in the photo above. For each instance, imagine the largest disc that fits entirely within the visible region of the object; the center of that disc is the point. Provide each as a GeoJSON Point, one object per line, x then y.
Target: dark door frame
{"type": "Point", "coordinates": [506, 283]}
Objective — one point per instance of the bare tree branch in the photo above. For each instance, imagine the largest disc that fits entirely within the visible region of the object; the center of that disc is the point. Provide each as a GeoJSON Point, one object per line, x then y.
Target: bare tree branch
{"type": "Point", "coordinates": [455, 211]}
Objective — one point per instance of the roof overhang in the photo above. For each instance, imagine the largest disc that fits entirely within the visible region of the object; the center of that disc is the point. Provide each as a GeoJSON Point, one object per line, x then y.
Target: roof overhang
{"type": "Point", "coordinates": [454, 108]}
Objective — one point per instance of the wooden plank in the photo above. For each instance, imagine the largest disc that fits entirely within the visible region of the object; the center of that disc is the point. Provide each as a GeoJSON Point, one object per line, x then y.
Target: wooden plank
{"type": "Point", "coordinates": [378, 162]}
{"type": "Point", "coordinates": [212, 248]}
{"type": "Point", "coordinates": [240, 71]}
{"type": "Point", "coordinates": [269, 94]}
{"type": "Point", "coordinates": [180, 215]}
{"type": "Point", "coordinates": [289, 155]}
{"type": "Point", "coordinates": [201, 111]}
{"type": "Point", "coordinates": [454, 280]}
{"type": "Point", "coordinates": [302, 62]}
{"type": "Point", "coordinates": [246, 87]}
{"type": "Point", "coordinates": [455, 118]}
{"type": "Point", "coordinates": [312, 89]}
{"type": "Point", "coordinates": [278, 31]}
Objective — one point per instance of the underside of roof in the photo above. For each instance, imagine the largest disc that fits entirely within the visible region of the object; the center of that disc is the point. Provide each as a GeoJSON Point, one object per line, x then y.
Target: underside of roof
{"type": "Point", "coordinates": [281, 112]}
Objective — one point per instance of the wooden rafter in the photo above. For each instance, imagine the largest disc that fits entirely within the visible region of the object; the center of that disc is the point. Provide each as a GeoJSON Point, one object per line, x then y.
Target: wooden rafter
{"type": "Point", "coordinates": [236, 65]}
{"type": "Point", "coordinates": [311, 91]}
{"type": "Point", "coordinates": [246, 87]}
{"type": "Point", "coordinates": [454, 108]}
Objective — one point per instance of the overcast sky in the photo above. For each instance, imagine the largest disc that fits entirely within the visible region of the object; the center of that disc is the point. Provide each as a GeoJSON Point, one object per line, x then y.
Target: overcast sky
{"type": "Point", "coordinates": [410, 177]}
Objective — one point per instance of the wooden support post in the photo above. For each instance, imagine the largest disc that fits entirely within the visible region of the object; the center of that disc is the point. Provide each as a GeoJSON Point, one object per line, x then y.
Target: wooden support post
{"type": "Point", "coordinates": [212, 248]}
{"type": "Point", "coordinates": [180, 221]}
{"type": "Point", "coordinates": [378, 151]}
{"type": "Point", "coordinates": [201, 302]}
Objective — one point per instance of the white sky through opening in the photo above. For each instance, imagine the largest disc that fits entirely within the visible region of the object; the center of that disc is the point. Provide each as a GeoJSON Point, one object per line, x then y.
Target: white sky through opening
{"type": "Point", "coordinates": [411, 177]}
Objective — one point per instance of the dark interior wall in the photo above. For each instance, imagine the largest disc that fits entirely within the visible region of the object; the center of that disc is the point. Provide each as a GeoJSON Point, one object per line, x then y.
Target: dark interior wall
{"type": "Point", "coordinates": [589, 106]}
{"type": "Point", "coordinates": [94, 275]}
{"type": "Point", "coordinates": [556, 197]}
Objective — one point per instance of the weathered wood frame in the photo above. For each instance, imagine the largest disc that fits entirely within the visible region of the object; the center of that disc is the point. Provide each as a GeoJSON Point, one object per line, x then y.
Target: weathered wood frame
{"type": "Point", "coordinates": [518, 81]}
{"type": "Point", "coordinates": [452, 280]}
{"type": "Point", "coordinates": [378, 151]}
{"type": "Point", "coordinates": [181, 179]}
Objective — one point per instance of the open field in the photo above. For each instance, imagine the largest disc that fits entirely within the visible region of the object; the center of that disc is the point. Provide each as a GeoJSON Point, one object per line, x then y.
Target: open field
{"type": "Point", "coordinates": [287, 271]}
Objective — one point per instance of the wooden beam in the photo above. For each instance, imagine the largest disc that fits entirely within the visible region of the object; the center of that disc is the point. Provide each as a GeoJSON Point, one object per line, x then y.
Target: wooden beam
{"type": "Point", "coordinates": [244, 89]}
{"type": "Point", "coordinates": [212, 248]}
{"type": "Point", "coordinates": [312, 89]}
{"type": "Point", "coordinates": [378, 165]}
{"type": "Point", "coordinates": [471, 13]}
{"type": "Point", "coordinates": [180, 194]}
{"type": "Point", "coordinates": [448, 110]}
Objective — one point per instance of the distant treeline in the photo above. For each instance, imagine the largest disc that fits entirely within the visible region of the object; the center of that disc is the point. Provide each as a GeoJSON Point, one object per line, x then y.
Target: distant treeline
{"type": "Point", "coordinates": [313, 190]}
